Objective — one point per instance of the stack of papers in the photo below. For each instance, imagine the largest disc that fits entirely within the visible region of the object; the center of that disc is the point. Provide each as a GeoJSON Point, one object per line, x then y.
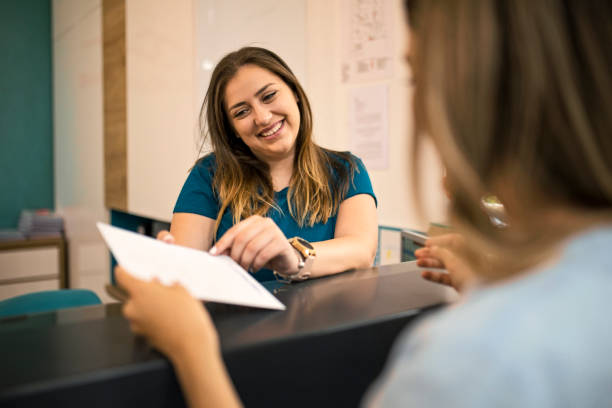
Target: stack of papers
{"type": "Point", "coordinates": [206, 277]}
{"type": "Point", "coordinates": [11, 235]}
{"type": "Point", "coordinates": [40, 224]}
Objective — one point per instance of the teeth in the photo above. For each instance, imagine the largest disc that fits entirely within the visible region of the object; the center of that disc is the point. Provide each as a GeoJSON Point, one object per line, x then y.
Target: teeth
{"type": "Point", "coordinates": [273, 130]}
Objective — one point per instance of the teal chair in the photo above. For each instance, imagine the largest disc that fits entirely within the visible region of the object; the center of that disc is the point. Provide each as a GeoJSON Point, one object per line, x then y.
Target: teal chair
{"type": "Point", "coordinates": [47, 301]}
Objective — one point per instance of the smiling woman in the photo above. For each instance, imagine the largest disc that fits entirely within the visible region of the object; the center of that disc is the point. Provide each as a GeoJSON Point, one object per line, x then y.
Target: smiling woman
{"type": "Point", "coordinates": [267, 181]}
{"type": "Point", "coordinates": [267, 120]}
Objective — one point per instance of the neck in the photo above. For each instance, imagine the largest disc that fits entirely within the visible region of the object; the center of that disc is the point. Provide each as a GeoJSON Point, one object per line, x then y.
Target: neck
{"type": "Point", "coordinates": [281, 171]}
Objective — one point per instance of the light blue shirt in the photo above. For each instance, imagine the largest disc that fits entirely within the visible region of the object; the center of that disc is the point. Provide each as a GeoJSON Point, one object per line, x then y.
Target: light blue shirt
{"type": "Point", "coordinates": [544, 340]}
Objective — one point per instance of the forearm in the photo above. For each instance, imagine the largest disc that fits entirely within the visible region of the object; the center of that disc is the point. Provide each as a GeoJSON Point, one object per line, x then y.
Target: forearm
{"type": "Point", "coordinates": [204, 379]}
{"type": "Point", "coordinates": [192, 230]}
{"type": "Point", "coordinates": [355, 238]}
{"type": "Point", "coordinates": [343, 253]}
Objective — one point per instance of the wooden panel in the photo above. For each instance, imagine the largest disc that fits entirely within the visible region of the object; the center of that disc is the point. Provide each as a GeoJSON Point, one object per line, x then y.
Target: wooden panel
{"type": "Point", "coordinates": [115, 128]}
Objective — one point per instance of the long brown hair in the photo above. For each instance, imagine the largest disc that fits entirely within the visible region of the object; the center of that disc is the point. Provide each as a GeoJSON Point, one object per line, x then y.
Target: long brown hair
{"type": "Point", "coordinates": [517, 96]}
{"type": "Point", "coordinates": [320, 178]}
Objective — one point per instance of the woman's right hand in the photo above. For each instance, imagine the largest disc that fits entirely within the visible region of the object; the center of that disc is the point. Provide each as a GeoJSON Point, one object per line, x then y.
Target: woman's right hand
{"type": "Point", "coordinates": [257, 242]}
{"type": "Point", "coordinates": [166, 236]}
{"type": "Point", "coordinates": [151, 310]}
{"type": "Point", "coordinates": [446, 251]}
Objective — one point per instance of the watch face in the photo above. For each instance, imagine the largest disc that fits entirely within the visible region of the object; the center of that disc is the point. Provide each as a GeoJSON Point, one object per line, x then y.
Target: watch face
{"type": "Point", "coordinates": [305, 243]}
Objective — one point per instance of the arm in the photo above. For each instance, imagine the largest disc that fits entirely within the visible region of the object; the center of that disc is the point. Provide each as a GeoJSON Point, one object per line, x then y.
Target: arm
{"type": "Point", "coordinates": [195, 210]}
{"type": "Point", "coordinates": [188, 338]}
{"type": "Point", "coordinates": [191, 230]}
{"type": "Point", "coordinates": [205, 380]}
{"type": "Point", "coordinates": [258, 242]}
{"type": "Point", "coordinates": [355, 238]}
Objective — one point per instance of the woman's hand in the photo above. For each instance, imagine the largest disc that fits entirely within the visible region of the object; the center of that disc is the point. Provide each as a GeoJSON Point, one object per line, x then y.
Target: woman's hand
{"type": "Point", "coordinates": [445, 251]}
{"type": "Point", "coordinates": [166, 236]}
{"type": "Point", "coordinates": [174, 321]}
{"type": "Point", "coordinates": [178, 326]}
{"type": "Point", "coordinates": [256, 243]}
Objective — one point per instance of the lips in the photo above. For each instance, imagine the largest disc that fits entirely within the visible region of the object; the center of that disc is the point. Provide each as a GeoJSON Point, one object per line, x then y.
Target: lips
{"type": "Point", "coordinates": [272, 130]}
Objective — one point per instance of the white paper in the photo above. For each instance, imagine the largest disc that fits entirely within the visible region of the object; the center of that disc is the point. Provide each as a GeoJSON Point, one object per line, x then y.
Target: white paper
{"type": "Point", "coordinates": [206, 277]}
{"type": "Point", "coordinates": [369, 125]}
{"type": "Point", "coordinates": [368, 47]}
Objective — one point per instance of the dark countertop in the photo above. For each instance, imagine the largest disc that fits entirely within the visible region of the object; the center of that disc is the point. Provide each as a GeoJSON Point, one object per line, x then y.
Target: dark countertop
{"type": "Point", "coordinates": [72, 355]}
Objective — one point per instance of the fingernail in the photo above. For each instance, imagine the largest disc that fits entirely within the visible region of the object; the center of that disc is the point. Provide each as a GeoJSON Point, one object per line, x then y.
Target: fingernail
{"type": "Point", "coordinates": [168, 239]}
{"type": "Point", "coordinates": [213, 250]}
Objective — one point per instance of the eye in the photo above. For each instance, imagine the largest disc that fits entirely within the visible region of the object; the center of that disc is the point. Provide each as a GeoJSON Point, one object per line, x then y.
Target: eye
{"type": "Point", "coordinates": [240, 113]}
{"type": "Point", "coordinates": [269, 96]}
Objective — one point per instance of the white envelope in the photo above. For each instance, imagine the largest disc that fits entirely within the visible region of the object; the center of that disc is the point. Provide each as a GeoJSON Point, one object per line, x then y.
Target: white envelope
{"type": "Point", "coordinates": [206, 277]}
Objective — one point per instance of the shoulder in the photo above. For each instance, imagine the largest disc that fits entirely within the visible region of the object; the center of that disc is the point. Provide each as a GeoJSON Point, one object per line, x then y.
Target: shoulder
{"type": "Point", "coordinates": [529, 336]}
{"type": "Point", "coordinates": [349, 171]}
{"type": "Point", "coordinates": [208, 161]}
{"type": "Point", "coordinates": [205, 166]}
{"type": "Point", "coordinates": [339, 161]}
{"type": "Point", "coordinates": [345, 158]}
{"type": "Point", "coordinates": [429, 363]}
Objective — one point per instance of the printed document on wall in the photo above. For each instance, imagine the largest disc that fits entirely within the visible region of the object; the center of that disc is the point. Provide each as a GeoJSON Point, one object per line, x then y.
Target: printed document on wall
{"type": "Point", "coordinates": [369, 125]}
{"type": "Point", "coordinates": [367, 40]}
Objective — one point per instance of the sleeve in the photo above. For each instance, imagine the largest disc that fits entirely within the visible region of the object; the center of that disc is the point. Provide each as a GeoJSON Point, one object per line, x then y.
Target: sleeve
{"type": "Point", "coordinates": [197, 196]}
{"type": "Point", "coordinates": [361, 183]}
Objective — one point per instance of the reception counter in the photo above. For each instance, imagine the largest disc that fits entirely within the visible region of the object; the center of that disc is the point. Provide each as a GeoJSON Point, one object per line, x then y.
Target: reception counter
{"type": "Point", "coordinates": [330, 343]}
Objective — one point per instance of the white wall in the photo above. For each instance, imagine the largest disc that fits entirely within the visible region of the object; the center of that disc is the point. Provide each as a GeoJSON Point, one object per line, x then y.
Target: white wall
{"type": "Point", "coordinates": [223, 26]}
{"type": "Point", "coordinates": [171, 49]}
{"type": "Point", "coordinates": [330, 96]}
{"type": "Point", "coordinates": [78, 141]}
{"type": "Point", "coordinates": [161, 114]}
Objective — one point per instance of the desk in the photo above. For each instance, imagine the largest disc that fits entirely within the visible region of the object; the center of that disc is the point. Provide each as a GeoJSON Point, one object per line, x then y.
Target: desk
{"type": "Point", "coordinates": [329, 344]}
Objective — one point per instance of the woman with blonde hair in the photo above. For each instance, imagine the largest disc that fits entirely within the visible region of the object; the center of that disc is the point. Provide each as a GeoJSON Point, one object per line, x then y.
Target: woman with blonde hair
{"type": "Point", "coordinates": [266, 180]}
{"type": "Point", "coordinates": [517, 97]}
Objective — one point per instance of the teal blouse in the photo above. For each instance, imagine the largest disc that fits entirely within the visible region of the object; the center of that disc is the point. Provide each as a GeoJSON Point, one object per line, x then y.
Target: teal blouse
{"type": "Point", "coordinates": [198, 197]}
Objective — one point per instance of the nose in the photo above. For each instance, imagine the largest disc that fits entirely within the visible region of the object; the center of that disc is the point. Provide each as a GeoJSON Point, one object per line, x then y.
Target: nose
{"type": "Point", "coordinates": [262, 115]}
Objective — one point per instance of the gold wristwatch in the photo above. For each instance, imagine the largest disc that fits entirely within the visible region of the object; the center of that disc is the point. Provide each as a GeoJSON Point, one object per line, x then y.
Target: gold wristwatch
{"type": "Point", "coordinates": [306, 256]}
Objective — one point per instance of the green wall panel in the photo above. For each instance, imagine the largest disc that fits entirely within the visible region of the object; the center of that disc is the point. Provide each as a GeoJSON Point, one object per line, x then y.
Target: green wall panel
{"type": "Point", "coordinates": [26, 112]}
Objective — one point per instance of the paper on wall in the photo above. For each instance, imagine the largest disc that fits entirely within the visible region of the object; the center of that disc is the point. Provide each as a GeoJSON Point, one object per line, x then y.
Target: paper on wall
{"type": "Point", "coordinates": [368, 47]}
{"type": "Point", "coordinates": [369, 125]}
{"type": "Point", "coordinates": [206, 277]}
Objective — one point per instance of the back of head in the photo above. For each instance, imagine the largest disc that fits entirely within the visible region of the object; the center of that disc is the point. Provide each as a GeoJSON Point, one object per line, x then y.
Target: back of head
{"type": "Point", "coordinates": [517, 96]}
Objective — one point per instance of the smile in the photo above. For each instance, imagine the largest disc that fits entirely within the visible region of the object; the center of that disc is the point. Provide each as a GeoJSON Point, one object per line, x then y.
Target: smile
{"type": "Point", "coordinates": [272, 130]}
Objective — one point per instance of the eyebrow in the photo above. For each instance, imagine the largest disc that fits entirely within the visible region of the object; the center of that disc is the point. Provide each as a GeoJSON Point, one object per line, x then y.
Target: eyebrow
{"type": "Point", "coordinates": [263, 88]}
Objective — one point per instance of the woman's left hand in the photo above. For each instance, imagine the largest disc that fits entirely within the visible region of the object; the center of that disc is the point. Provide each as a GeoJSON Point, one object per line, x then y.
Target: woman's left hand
{"type": "Point", "coordinates": [256, 243]}
{"type": "Point", "coordinates": [445, 251]}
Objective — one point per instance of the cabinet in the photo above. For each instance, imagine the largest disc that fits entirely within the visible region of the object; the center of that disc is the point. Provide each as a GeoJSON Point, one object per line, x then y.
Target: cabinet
{"type": "Point", "coordinates": [32, 265]}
